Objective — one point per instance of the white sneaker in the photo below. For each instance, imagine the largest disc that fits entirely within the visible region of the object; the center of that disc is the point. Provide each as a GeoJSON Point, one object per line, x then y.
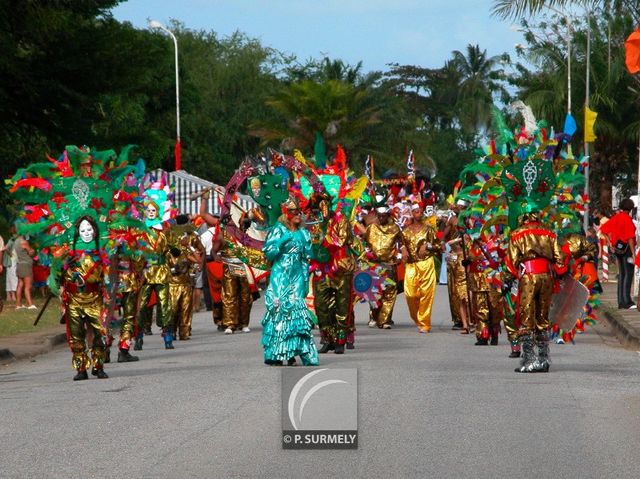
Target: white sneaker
{"type": "Point", "coordinates": [33, 306]}
{"type": "Point", "coordinates": [228, 331]}
{"type": "Point", "coordinates": [21, 307]}
{"type": "Point", "coordinates": [246, 330]}
{"type": "Point", "coordinates": [386, 326]}
{"type": "Point", "coordinates": [372, 324]}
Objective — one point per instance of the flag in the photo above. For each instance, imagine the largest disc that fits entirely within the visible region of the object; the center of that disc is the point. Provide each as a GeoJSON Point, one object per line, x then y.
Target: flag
{"type": "Point", "coordinates": [178, 155]}
{"type": "Point", "coordinates": [570, 126]}
{"type": "Point", "coordinates": [589, 122]}
{"type": "Point", "coordinates": [632, 52]}
{"type": "Point", "coordinates": [411, 165]}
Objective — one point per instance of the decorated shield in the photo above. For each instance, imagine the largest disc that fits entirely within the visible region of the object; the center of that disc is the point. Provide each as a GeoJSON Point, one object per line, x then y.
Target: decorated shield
{"type": "Point", "coordinates": [567, 306]}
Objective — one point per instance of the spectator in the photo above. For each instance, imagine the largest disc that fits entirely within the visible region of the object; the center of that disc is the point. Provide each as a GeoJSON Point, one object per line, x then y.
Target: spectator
{"type": "Point", "coordinates": [24, 271]}
{"type": "Point", "coordinates": [9, 263]}
{"type": "Point", "coordinates": [621, 233]}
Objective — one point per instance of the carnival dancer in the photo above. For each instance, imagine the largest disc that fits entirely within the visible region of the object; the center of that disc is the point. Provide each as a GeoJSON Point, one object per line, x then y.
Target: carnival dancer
{"type": "Point", "coordinates": [212, 242]}
{"type": "Point", "coordinates": [383, 239]}
{"type": "Point", "coordinates": [130, 275]}
{"type": "Point", "coordinates": [83, 299]}
{"type": "Point", "coordinates": [156, 278]}
{"type": "Point", "coordinates": [533, 255]}
{"type": "Point", "coordinates": [237, 298]}
{"type": "Point", "coordinates": [487, 306]}
{"type": "Point", "coordinates": [287, 323]}
{"type": "Point", "coordinates": [421, 245]}
{"type": "Point", "coordinates": [186, 252]}
{"type": "Point", "coordinates": [332, 285]}
{"type": "Point", "coordinates": [456, 272]}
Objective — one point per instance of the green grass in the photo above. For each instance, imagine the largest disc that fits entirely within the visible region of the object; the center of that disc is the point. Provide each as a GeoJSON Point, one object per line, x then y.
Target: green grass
{"type": "Point", "coordinates": [14, 321]}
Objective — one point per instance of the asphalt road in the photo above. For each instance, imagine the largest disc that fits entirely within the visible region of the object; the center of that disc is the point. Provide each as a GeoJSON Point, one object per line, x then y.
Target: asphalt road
{"type": "Point", "coordinates": [430, 405]}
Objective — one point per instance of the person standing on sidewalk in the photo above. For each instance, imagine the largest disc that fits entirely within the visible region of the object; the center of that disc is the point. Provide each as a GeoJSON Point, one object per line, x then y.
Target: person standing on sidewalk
{"type": "Point", "coordinates": [24, 271]}
{"type": "Point", "coordinates": [622, 237]}
{"type": "Point", "coordinates": [9, 262]}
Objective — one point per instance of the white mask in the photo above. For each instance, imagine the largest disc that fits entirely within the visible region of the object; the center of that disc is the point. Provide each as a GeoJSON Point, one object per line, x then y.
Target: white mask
{"type": "Point", "coordinates": [86, 231]}
{"type": "Point", "coordinates": [151, 212]}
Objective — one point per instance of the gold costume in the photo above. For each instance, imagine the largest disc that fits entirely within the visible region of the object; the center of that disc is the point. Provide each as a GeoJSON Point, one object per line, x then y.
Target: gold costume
{"type": "Point", "coordinates": [156, 278]}
{"type": "Point", "coordinates": [130, 279]}
{"type": "Point", "coordinates": [420, 273]}
{"type": "Point", "coordinates": [456, 274]}
{"type": "Point", "coordinates": [382, 240]}
{"type": "Point", "coordinates": [83, 284]}
{"type": "Point", "coordinates": [487, 304]}
{"type": "Point", "coordinates": [236, 293]}
{"type": "Point", "coordinates": [333, 299]}
{"type": "Point", "coordinates": [187, 242]}
{"type": "Point", "coordinates": [532, 254]}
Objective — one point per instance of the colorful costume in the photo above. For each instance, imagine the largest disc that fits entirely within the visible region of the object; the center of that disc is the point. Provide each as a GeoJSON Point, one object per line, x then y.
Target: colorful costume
{"type": "Point", "coordinates": [532, 255]}
{"type": "Point", "coordinates": [287, 323]}
{"type": "Point", "coordinates": [420, 273]}
{"type": "Point", "coordinates": [236, 292]}
{"type": "Point", "coordinates": [130, 273]}
{"type": "Point", "coordinates": [332, 292]}
{"type": "Point", "coordinates": [382, 242]}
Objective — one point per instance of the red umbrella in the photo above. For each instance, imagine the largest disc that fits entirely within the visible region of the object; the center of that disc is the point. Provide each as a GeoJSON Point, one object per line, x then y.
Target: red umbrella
{"type": "Point", "coordinates": [632, 52]}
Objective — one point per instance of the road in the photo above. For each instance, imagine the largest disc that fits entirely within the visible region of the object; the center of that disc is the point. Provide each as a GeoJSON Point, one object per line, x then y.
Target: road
{"type": "Point", "coordinates": [430, 405]}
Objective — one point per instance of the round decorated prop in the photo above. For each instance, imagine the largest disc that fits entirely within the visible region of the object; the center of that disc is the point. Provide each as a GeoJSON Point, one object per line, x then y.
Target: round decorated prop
{"type": "Point", "coordinates": [369, 282]}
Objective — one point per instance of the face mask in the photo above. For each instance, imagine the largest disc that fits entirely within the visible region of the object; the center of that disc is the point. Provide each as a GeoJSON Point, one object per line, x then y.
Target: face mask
{"type": "Point", "coordinates": [86, 231]}
{"type": "Point", "coordinates": [151, 212]}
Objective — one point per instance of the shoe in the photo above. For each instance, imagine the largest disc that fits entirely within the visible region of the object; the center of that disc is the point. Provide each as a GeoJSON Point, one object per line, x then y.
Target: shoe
{"type": "Point", "coordinates": [481, 342]}
{"type": "Point", "coordinates": [326, 347]}
{"type": "Point", "coordinates": [21, 307]}
{"type": "Point", "coordinates": [137, 345]}
{"type": "Point", "coordinates": [339, 349]}
{"type": "Point", "coordinates": [424, 331]}
{"type": "Point", "coordinates": [372, 323]}
{"type": "Point", "coordinates": [185, 338]}
{"type": "Point", "coordinates": [125, 356]}
{"type": "Point", "coordinates": [350, 346]}
{"type": "Point", "coordinates": [33, 306]}
{"type": "Point", "coordinates": [633, 306]}
{"type": "Point", "coordinates": [464, 331]}
{"type": "Point", "coordinates": [220, 327]}
{"type": "Point", "coordinates": [514, 354]}
{"type": "Point", "coordinates": [391, 322]}
{"type": "Point", "coordinates": [456, 326]}
{"type": "Point", "coordinates": [291, 362]}
{"type": "Point", "coordinates": [228, 331]}
{"type": "Point", "coordinates": [99, 373]}
{"type": "Point", "coordinates": [81, 376]}
{"type": "Point", "coordinates": [246, 329]}
{"type": "Point", "coordinates": [386, 326]}
{"type": "Point", "coordinates": [494, 341]}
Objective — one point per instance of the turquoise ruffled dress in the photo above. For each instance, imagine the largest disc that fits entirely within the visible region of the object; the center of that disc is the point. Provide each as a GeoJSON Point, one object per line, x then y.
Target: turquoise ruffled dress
{"type": "Point", "coordinates": [287, 323]}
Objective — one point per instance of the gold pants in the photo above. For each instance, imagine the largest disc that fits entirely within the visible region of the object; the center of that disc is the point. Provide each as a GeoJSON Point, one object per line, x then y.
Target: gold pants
{"type": "Point", "coordinates": [488, 309]}
{"type": "Point", "coordinates": [164, 317]}
{"type": "Point", "coordinates": [128, 326]}
{"type": "Point", "coordinates": [534, 302]}
{"type": "Point", "coordinates": [457, 286]}
{"type": "Point", "coordinates": [333, 304]}
{"type": "Point", "coordinates": [82, 310]}
{"type": "Point", "coordinates": [419, 289]}
{"type": "Point", "coordinates": [181, 295]}
{"type": "Point", "coordinates": [383, 313]}
{"type": "Point", "coordinates": [236, 300]}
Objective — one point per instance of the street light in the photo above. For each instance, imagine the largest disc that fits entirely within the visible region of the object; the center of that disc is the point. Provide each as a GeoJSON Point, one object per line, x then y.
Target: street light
{"type": "Point", "coordinates": [154, 24]}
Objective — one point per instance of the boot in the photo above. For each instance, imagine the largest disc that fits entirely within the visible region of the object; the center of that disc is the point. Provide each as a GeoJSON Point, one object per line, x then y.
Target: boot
{"type": "Point", "coordinates": [124, 356]}
{"type": "Point", "coordinates": [168, 339]}
{"type": "Point", "coordinates": [137, 345]}
{"type": "Point", "coordinates": [495, 331]}
{"type": "Point", "coordinates": [291, 362]}
{"type": "Point", "coordinates": [543, 361]}
{"type": "Point", "coordinates": [481, 342]}
{"type": "Point", "coordinates": [81, 375]}
{"type": "Point", "coordinates": [515, 350]}
{"type": "Point", "coordinates": [326, 347]}
{"type": "Point", "coordinates": [339, 349]}
{"type": "Point", "coordinates": [99, 373]}
{"type": "Point", "coordinates": [350, 346]}
{"type": "Point", "coordinates": [527, 364]}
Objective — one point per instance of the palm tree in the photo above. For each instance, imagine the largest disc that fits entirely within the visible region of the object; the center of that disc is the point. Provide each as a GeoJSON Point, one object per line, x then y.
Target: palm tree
{"type": "Point", "coordinates": [480, 81]}
{"type": "Point", "coordinates": [519, 8]}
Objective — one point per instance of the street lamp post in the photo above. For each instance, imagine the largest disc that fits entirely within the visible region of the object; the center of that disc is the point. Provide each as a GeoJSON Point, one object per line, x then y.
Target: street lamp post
{"type": "Point", "coordinates": [154, 24]}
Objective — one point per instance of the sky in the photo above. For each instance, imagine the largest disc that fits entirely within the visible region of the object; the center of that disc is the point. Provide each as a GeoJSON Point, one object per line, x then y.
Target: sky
{"type": "Point", "coordinates": [376, 32]}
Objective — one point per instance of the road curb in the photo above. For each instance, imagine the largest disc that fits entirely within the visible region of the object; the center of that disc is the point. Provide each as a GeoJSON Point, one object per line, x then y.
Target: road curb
{"type": "Point", "coordinates": [6, 355]}
{"type": "Point", "coordinates": [627, 335]}
{"type": "Point", "coordinates": [47, 345]}
{"type": "Point", "coordinates": [57, 339]}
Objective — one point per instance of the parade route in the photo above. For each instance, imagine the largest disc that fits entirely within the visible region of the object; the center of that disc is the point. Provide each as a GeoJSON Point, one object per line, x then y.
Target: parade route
{"type": "Point", "coordinates": [430, 405]}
